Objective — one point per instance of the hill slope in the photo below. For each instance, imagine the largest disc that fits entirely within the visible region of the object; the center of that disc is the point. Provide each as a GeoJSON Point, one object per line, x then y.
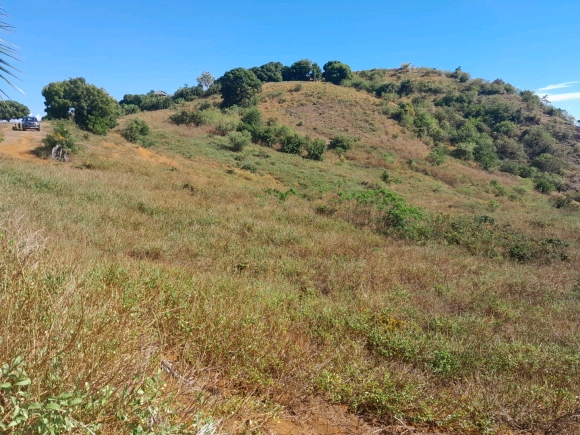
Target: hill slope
{"type": "Point", "coordinates": [186, 283]}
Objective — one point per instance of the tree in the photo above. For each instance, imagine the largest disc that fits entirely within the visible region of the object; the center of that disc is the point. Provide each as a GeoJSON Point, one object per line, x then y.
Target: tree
{"type": "Point", "coordinates": [269, 72]}
{"type": "Point", "coordinates": [188, 93]}
{"type": "Point", "coordinates": [239, 86]}
{"type": "Point", "coordinates": [302, 70]}
{"type": "Point", "coordinates": [205, 80]}
{"type": "Point", "coordinates": [7, 51]}
{"type": "Point", "coordinates": [336, 72]}
{"type": "Point", "coordinates": [12, 110]}
{"type": "Point", "coordinates": [92, 108]}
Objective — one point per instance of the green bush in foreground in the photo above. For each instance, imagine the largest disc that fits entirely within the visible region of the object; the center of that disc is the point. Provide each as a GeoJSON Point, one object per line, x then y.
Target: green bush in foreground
{"type": "Point", "coordinates": [239, 140]}
{"type": "Point", "coordinates": [135, 130]}
{"type": "Point", "coordinates": [63, 136]}
{"type": "Point", "coordinates": [315, 149]}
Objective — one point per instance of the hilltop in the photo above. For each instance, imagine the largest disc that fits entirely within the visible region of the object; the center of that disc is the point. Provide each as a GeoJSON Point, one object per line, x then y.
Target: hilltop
{"type": "Point", "coordinates": [416, 272]}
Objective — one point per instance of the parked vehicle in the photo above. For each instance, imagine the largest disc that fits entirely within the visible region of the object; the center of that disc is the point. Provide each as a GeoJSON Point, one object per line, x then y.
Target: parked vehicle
{"type": "Point", "coordinates": [30, 122]}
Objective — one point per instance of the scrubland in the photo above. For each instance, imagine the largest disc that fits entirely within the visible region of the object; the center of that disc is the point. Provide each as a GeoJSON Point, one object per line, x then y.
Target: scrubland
{"type": "Point", "coordinates": [186, 286]}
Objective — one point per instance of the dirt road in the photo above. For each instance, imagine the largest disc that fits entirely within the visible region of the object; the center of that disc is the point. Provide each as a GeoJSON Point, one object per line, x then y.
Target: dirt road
{"type": "Point", "coordinates": [19, 144]}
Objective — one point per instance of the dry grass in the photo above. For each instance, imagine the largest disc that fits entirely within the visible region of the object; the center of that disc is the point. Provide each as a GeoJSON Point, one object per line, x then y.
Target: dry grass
{"type": "Point", "coordinates": [173, 272]}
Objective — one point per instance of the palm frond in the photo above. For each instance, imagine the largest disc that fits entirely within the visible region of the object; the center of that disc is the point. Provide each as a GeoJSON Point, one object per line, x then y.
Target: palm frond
{"type": "Point", "coordinates": [7, 51]}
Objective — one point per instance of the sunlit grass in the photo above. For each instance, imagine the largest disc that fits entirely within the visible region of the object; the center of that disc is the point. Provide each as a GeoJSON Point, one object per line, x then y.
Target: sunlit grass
{"type": "Point", "coordinates": [185, 269]}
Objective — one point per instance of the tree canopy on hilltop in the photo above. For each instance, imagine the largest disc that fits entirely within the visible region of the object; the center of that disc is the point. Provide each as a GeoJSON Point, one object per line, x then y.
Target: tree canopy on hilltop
{"type": "Point", "coordinates": [239, 86]}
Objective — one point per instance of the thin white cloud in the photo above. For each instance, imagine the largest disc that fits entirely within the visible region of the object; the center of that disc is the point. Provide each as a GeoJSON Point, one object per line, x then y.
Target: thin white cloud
{"type": "Point", "coordinates": [558, 86]}
{"type": "Point", "coordinates": [564, 97]}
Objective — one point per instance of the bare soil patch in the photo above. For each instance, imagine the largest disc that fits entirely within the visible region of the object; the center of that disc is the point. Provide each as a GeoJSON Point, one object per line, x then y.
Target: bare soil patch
{"type": "Point", "coordinates": [20, 144]}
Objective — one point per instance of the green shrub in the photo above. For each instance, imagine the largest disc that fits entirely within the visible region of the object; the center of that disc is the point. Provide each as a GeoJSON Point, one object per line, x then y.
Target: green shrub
{"type": "Point", "coordinates": [293, 144]}
{"type": "Point", "coordinates": [510, 149]}
{"type": "Point", "coordinates": [99, 125]}
{"type": "Point", "coordinates": [22, 414]}
{"type": "Point", "coordinates": [239, 87]}
{"type": "Point", "coordinates": [129, 109]}
{"type": "Point", "coordinates": [465, 150]}
{"type": "Point", "coordinates": [537, 141]}
{"type": "Point", "coordinates": [343, 142]}
{"type": "Point", "coordinates": [135, 130]}
{"type": "Point", "coordinates": [561, 201]}
{"type": "Point", "coordinates": [267, 136]}
{"type": "Point", "coordinates": [199, 118]}
{"type": "Point", "coordinates": [94, 109]}
{"type": "Point", "coordinates": [389, 88]}
{"type": "Point", "coordinates": [226, 126]}
{"type": "Point", "coordinates": [438, 155]}
{"type": "Point", "coordinates": [239, 140]}
{"type": "Point", "coordinates": [485, 153]}
{"type": "Point", "coordinates": [252, 117]}
{"type": "Point", "coordinates": [302, 70]}
{"type": "Point", "coordinates": [62, 135]}
{"type": "Point", "coordinates": [183, 116]}
{"type": "Point", "coordinates": [510, 168]}
{"type": "Point", "coordinates": [545, 182]}
{"type": "Point", "coordinates": [407, 87]}
{"type": "Point", "coordinates": [336, 72]}
{"type": "Point", "coordinates": [385, 211]}
{"type": "Point", "coordinates": [251, 167]}
{"type": "Point", "coordinates": [506, 128]}
{"type": "Point", "coordinates": [152, 102]}
{"type": "Point", "coordinates": [270, 72]}
{"type": "Point", "coordinates": [315, 149]}
{"type": "Point", "coordinates": [188, 93]}
{"type": "Point", "coordinates": [527, 171]}
{"type": "Point", "coordinates": [460, 75]}
{"type": "Point", "coordinates": [549, 163]}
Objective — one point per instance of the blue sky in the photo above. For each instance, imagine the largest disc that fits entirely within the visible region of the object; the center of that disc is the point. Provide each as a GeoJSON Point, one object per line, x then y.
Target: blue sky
{"type": "Point", "coordinates": [128, 46]}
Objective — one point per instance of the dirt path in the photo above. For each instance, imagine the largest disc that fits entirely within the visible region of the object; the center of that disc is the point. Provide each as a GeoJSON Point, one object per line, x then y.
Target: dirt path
{"type": "Point", "coordinates": [19, 144]}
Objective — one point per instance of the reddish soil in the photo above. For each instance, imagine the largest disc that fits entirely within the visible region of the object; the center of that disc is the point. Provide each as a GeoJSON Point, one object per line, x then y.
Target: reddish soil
{"type": "Point", "coordinates": [19, 144]}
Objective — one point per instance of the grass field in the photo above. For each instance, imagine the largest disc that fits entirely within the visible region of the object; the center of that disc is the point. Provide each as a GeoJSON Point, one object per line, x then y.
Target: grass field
{"type": "Point", "coordinates": [183, 286]}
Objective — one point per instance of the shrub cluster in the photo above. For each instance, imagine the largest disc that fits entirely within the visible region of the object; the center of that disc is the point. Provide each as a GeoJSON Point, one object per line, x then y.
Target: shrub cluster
{"type": "Point", "coordinates": [472, 119]}
{"type": "Point", "coordinates": [234, 120]}
{"type": "Point", "coordinates": [136, 131]}
{"type": "Point", "coordinates": [342, 142]}
{"type": "Point", "coordinates": [62, 136]}
{"type": "Point", "coordinates": [388, 213]}
{"type": "Point", "coordinates": [145, 102]}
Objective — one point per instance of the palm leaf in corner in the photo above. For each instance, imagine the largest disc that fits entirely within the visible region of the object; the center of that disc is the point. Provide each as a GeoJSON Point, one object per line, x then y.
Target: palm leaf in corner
{"type": "Point", "coordinates": [8, 52]}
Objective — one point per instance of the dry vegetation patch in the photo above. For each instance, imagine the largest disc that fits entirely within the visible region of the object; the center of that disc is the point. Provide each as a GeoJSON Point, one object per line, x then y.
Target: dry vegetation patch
{"type": "Point", "coordinates": [186, 286]}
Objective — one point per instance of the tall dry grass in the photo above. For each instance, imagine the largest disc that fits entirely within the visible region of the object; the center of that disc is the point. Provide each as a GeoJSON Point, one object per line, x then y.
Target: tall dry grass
{"type": "Point", "coordinates": [173, 290]}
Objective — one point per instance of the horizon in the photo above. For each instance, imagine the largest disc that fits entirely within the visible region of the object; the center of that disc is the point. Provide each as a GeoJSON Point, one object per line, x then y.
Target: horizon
{"type": "Point", "coordinates": [134, 47]}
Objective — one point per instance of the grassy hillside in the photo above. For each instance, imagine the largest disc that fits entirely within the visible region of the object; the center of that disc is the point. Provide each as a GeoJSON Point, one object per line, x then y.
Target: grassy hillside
{"type": "Point", "coordinates": [167, 288]}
